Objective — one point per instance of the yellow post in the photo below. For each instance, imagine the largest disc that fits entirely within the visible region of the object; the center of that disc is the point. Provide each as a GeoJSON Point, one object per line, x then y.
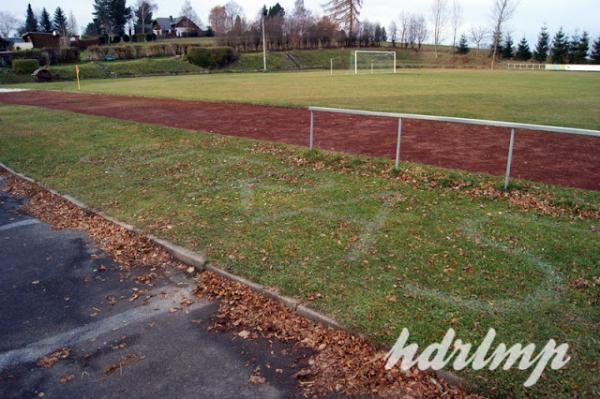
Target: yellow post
{"type": "Point", "coordinates": [77, 73]}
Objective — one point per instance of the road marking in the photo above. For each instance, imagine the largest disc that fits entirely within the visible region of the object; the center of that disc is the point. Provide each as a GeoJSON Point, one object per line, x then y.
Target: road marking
{"type": "Point", "coordinates": [26, 222]}
{"type": "Point", "coordinates": [158, 305]}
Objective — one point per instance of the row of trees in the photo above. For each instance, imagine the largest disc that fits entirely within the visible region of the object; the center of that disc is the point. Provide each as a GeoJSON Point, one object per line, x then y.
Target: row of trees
{"type": "Point", "coordinates": [562, 49]}
{"type": "Point", "coordinates": [299, 28]}
{"type": "Point", "coordinates": [44, 23]}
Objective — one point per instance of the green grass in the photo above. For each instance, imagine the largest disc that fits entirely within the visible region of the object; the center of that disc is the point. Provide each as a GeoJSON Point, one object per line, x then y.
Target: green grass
{"type": "Point", "coordinates": [552, 98]}
{"type": "Point", "coordinates": [382, 253]}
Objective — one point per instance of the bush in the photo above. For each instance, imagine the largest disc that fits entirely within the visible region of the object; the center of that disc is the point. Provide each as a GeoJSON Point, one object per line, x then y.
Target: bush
{"type": "Point", "coordinates": [212, 58]}
{"type": "Point", "coordinates": [25, 66]}
{"type": "Point", "coordinates": [125, 39]}
{"type": "Point", "coordinates": [150, 37]}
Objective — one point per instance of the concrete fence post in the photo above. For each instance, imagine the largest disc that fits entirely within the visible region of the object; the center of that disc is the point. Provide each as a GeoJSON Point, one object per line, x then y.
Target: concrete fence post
{"type": "Point", "coordinates": [398, 141]}
{"type": "Point", "coordinates": [509, 160]}
{"type": "Point", "coordinates": [312, 130]}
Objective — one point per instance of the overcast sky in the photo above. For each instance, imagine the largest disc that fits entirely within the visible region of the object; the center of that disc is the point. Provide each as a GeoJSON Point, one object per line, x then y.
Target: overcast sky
{"type": "Point", "coordinates": [531, 14]}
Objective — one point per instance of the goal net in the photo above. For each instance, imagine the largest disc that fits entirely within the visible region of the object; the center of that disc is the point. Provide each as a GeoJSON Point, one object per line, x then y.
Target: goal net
{"type": "Point", "coordinates": [366, 61]}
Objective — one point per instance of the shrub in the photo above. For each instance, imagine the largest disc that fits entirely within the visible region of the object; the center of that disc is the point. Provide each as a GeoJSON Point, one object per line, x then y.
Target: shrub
{"type": "Point", "coordinates": [125, 39]}
{"type": "Point", "coordinates": [25, 66]}
{"type": "Point", "coordinates": [212, 58]}
{"type": "Point", "coordinates": [150, 37]}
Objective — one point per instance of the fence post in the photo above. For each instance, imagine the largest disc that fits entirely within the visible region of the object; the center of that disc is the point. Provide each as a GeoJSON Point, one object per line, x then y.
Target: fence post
{"type": "Point", "coordinates": [312, 129]}
{"type": "Point", "coordinates": [398, 140]}
{"type": "Point", "coordinates": [509, 161]}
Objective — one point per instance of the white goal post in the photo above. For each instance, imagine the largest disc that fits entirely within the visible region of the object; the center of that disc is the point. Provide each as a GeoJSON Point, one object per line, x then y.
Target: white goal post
{"type": "Point", "coordinates": [357, 52]}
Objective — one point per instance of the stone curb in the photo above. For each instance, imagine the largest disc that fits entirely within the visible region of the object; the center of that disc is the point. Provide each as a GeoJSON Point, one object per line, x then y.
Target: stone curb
{"type": "Point", "coordinates": [200, 264]}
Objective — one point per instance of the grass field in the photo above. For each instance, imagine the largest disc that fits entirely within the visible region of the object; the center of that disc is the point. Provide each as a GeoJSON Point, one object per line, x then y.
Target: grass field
{"type": "Point", "coordinates": [563, 99]}
{"type": "Point", "coordinates": [375, 252]}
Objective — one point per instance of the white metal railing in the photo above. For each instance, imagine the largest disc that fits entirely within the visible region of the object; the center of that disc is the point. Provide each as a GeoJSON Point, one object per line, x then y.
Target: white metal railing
{"type": "Point", "coordinates": [465, 121]}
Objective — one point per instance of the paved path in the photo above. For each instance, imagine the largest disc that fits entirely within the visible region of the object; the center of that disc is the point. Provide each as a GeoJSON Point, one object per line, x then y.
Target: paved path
{"type": "Point", "coordinates": [562, 159]}
{"type": "Point", "coordinates": [53, 294]}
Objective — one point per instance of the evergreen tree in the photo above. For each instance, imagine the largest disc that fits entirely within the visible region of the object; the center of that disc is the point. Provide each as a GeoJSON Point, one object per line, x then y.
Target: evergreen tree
{"type": "Point", "coordinates": [507, 48]}
{"type": "Point", "coordinates": [119, 14]}
{"type": "Point", "coordinates": [523, 51]}
{"type": "Point", "coordinates": [596, 51]}
{"type": "Point", "coordinates": [580, 46]}
{"type": "Point", "coordinates": [31, 23]}
{"type": "Point", "coordinates": [543, 46]}
{"type": "Point", "coordinates": [463, 46]}
{"type": "Point", "coordinates": [560, 48]}
{"type": "Point", "coordinates": [59, 22]}
{"type": "Point", "coordinates": [45, 24]}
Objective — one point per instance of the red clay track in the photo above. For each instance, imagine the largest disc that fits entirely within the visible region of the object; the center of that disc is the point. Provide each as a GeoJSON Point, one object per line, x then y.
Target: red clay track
{"type": "Point", "coordinates": [562, 159]}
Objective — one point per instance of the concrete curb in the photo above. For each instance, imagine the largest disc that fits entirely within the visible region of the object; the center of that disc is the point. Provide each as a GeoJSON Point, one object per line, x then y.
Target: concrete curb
{"type": "Point", "coordinates": [200, 264]}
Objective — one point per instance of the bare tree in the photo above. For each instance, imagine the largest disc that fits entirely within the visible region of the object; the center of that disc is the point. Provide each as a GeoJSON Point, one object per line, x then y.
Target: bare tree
{"type": "Point", "coordinates": [439, 17]}
{"type": "Point", "coordinates": [143, 12]}
{"type": "Point", "coordinates": [393, 33]}
{"type": "Point", "coordinates": [72, 25]}
{"type": "Point", "coordinates": [478, 34]}
{"type": "Point", "coordinates": [404, 27]}
{"type": "Point", "coordinates": [456, 20]}
{"type": "Point", "coordinates": [8, 24]}
{"type": "Point", "coordinates": [346, 13]}
{"type": "Point", "coordinates": [417, 31]}
{"type": "Point", "coordinates": [502, 12]}
{"type": "Point", "coordinates": [232, 10]}
{"type": "Point", "coordinates": [218, 20]}
{"type": "Point", "coordinates": [188, 11]}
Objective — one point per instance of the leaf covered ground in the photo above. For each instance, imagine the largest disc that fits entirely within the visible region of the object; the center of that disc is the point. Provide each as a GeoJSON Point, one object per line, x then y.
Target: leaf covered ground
{"type": "Point", "coordinates": [426, 249]}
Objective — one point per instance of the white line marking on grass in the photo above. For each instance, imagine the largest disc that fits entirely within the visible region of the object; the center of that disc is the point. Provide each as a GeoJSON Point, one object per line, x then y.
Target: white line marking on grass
{"type": "Point", "coordinates": [9, 90]}
{"type": "Point", "coordinates": [156, 307]}
{"type": "Point", "coordinates": [548, 291]}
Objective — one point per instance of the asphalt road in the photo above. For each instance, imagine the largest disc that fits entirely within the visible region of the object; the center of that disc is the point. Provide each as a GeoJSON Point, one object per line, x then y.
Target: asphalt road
{"type": "Point", "coordinates": [53, 294]}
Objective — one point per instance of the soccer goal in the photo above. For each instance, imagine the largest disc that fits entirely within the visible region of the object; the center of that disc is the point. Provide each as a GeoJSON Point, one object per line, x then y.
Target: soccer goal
{"type": "Point", "coordinates": [374, 61]}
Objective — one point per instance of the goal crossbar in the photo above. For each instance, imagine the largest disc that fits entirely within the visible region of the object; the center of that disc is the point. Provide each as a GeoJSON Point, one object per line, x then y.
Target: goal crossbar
{"type": "Point", "coordinates": [356, 52]}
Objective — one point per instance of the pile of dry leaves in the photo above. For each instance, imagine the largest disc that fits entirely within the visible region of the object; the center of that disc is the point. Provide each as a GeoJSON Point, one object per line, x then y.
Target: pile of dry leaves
{"type": "Point", "coordinates": [341, 362]}
{"type": "Point", "coordinates": [126, 248]}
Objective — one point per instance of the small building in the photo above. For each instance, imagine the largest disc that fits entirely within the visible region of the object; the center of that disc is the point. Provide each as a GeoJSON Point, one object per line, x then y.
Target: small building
{"type": "Point", "coordinates": [42, 40]}
{"type": "Point", "coordinates": [178, 27]}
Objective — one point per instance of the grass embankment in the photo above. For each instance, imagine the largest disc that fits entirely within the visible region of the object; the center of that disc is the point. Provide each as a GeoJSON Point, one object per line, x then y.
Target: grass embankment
{"type": "Point", "coordinates": [113, 69]}
{"type": "Point", "coordinates": [549, 98]}
{"type": "Point", "coordinates": [375, 252]}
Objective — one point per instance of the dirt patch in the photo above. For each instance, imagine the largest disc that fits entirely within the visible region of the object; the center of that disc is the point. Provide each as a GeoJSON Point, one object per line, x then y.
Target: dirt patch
{"type": "Point", "coordinates": [562, 159]}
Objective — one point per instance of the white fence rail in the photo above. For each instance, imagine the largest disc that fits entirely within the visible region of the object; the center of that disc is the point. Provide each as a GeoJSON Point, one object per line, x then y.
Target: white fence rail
{"type": "Point", "coordinates": [465, 121]}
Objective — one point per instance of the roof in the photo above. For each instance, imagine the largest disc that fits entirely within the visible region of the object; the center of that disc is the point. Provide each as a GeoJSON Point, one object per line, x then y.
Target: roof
{"type": "Point", "coordinates": [169, 23]}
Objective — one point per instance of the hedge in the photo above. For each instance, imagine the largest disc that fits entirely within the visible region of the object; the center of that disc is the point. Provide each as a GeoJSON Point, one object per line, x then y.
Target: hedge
{"type": "Point", "coordinates": [212, 58]}
{"type": "Point", "coordinates": [25, 67]}
{"type": "Point", "coordinates": [130, 52]}
{"type": "Point", "coordinates": [48, 56]}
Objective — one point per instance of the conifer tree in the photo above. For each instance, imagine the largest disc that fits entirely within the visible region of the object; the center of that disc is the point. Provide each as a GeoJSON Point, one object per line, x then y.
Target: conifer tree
{"type": "Point", "coordinates": [507, 47]}
{"type": "Point", "coordinates": [523, 51]}
{"type": "Point", "coordinates": [59, 22]}
{"type": "Point", "coordinates": [543, 46]}
{"type": "Point", "coordinates": [596, 51]}
{"type": "Point", "coordinates": [31, 23]}
{"type": "Point", "coordinates": [560, 48]}
{"type": "Point", "coordinates": [463, 45]}
{"type": "Point", "coordinates": [45, 24]}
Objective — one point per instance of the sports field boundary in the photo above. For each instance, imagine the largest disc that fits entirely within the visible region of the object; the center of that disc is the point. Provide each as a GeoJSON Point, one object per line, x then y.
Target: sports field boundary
{"type": "Point", "coordinates": [442, 144]}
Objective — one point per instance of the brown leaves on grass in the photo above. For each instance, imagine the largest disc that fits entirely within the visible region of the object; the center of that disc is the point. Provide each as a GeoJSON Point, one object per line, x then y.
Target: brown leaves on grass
{"type": "Point", "coordinates": [51, 359]}
{"type": "Point", "coordinates": [125, 247]}
{"type": "Point", "coordinates": [341, 361]}
{"type": "Point", "coordinates": [122, 362]}
{"type": "Point", "coordinates": [66, 378]}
